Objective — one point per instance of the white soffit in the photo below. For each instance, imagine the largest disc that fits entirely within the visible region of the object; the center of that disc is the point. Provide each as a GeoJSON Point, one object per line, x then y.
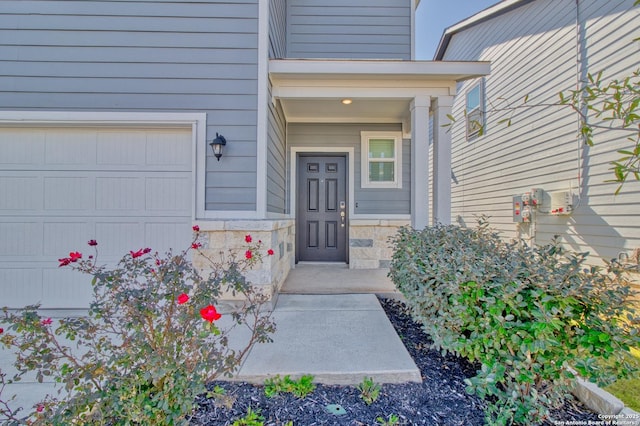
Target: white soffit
{"type": "Point", "coordinates": [311, 90]}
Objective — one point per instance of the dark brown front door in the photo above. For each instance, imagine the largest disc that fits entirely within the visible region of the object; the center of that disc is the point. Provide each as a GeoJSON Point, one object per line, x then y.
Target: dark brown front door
{"type": "Point", "coordinates": [322, 208]}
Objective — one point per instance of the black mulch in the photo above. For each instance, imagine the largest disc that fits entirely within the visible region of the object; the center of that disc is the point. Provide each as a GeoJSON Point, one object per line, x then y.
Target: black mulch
{"type": "Point", "coordinates": [440, 400]}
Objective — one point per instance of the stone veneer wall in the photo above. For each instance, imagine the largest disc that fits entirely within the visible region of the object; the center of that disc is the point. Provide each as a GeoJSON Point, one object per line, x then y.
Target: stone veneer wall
{"type": "Point", "coordinates": [220, 236]}
{"type": "Point", "coordinates": [369, 246]}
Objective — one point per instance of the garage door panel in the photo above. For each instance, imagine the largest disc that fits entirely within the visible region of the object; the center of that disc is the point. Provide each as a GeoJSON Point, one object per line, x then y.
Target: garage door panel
{"type": "Point", "coordinates": [64, 147]}
{"type": "Point", "coordinates": [169, 235]}
{"type": "Point", "coordinates": [20, 192]}
{"type": "Point", "coordinates": [19, 239]}
{"type": "Point", "coordinates": [121, 148]}
{"type": "Point", "coordinates": [168, 194]}
{"type": "Point", "coordinates": [69, 193]}
{"type": "Point", "coordinates": [169, 149]}
{"type": "Point", "coordinates": [20, 286]}
{"type": "Point", "coordinates": [117, 238]}
{"type": "Point", "coordinates": [59, 238]}
{"type": "Point", "coordinates": [65, 287]}
{"type": "Point", "coordinates": [120, 193]}
{"type": "Point", "coordinates": [22, 146]}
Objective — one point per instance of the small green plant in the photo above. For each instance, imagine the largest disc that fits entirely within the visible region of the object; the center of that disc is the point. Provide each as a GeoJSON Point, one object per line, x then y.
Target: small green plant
{"type": "Point", "coordinates": [149, 344]}
{"type": "Point", "coordinates": [252, 418]}
{"type": "Point", "coordinates": [369, 390]}
{"type": "Point", "coordinates": [299, 388]}
{"type": "Point", "coordinates": [391, 420]}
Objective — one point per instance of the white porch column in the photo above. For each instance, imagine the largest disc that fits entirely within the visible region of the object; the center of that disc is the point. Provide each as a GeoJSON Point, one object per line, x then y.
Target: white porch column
{"type": "Point", "coordinates": [420, 161]}
{"type": "Point", "coordinates": [442, 161]}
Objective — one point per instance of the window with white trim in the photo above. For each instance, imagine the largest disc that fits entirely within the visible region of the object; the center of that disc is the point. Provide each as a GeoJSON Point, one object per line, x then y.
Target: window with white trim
{"type": "Point", "coordinates": [381, 159]}
{"type": "Point", "coordinates": [474, 111]}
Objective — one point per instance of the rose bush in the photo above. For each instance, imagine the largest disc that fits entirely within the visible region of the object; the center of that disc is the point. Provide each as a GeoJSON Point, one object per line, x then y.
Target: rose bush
{"type": "Point", "coordinates": [152, 339]}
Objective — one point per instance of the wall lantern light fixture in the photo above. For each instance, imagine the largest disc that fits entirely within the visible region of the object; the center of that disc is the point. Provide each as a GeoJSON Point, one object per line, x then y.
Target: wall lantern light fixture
{"type": "Point", "coordinates": [217, 144]}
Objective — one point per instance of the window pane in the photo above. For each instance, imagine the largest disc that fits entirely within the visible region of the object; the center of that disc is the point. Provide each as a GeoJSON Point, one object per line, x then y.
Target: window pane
{"type": "Point", "coordinates": [473, 98]}
{"type": "Point", "coordinates": [381, 148]}
{"type": "Point", "coordinates": [381, 172]}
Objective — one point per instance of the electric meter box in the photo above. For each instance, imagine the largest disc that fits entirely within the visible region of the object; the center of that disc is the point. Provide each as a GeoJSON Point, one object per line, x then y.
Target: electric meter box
{"type": "Point", "coordinates": [560, 203]}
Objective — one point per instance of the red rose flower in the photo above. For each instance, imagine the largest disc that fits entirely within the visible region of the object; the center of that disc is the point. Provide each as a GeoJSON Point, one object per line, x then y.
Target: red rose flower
{"type": "Point", "coordinates": [40, 408]}
{"type": "Point", "coordinates": [195, 228]}
{"type": "Point", "coordinates": [196, 245]}
{"type": "Point", "coordinates": [247, 238]}
{"type": "Point", "coordinates": [209, 313]}
{"type": "Point", "coordinates": [74, 256]}
{"type": "Point", "coordinates": [248, 254]}
{"type": "Point", "coordinates": [47, 321]}
{"type": "Point", "coordinates": [92, 243]}
{"type": "Point", "coordinates": [270, 252]}
{"type": "Point", "coordinates": [1, 330]}
{"type": "Point", "coordinates": [183, 298]}
{"type": "Point", "coordinates": [64, 261]}
{"type": "Point", "coordinates": [139, 253]}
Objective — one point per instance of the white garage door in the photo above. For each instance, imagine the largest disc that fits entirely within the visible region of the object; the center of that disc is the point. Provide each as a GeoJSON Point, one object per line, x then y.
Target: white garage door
{"type": "Point", "coordinates": [127, 188]}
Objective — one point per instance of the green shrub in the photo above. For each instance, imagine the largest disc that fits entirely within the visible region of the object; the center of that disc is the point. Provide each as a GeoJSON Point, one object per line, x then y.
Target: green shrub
{"type": "Point", "coordinates": [369, 390]}
{"type": "Point", "coordinates": [149, 344]}
{"type": "Point", "coordinates": [528, 316]}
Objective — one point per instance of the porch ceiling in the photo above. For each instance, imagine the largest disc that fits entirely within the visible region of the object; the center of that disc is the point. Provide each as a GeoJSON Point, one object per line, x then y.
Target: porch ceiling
{"type": "Point", "coordinates": [381, 91]}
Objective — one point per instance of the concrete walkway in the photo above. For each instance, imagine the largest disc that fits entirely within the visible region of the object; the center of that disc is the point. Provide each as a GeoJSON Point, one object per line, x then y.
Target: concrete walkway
{"type": "Point", "coordinates": [339, 339]}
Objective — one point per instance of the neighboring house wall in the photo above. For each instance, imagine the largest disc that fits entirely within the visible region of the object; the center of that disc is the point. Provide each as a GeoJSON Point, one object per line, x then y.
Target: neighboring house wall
{"type": "Point", "coordinates": [143, 56]}
{"type": "Point", "coordinates": [537, 50]}
{"type": "Point", "coordinates": [357, 29]}
{"type": "Point", "coordinates": [367, 201]}
{"type": "Point", "coordinates": [277, 29]}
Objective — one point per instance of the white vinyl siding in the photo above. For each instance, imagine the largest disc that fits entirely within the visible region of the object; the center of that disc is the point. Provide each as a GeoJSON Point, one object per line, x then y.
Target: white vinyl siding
{"type": "Point", "coordinates": [536, 50]}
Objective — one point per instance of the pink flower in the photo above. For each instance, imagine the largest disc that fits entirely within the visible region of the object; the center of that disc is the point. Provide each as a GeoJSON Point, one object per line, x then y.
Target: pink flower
{"type": "Point", "coordinates": [195, 228]}
{"type": "Point", "coordinates": [64, 261]}
{"type": "Point", "coordinates": [92, 243]}
{"type": "Point", "coordinates": [248, 254]}
{"type": "Point", "coordinates": [39, 408]}
{"type": "Point", "coordinates": [147, 250]}
{"type": "Point", "coordinates": [183, 298]}
{"type": "Point", "coordinates": [47, 321]}
{"type": "Point", "coordinates": [209, 313]}
{"type": "Point", "coordinates": [158, 262]}
{"type": "Point", "coordinates": [74, 256]}
{"type": "Point", "coordinates": [270, 252]}
{"type": "Point", "coordinates": [196, 245]}
{"type": "Point", "coordinates": [1, 330]}
{"type": "Point", "coordinates": [247, 238]}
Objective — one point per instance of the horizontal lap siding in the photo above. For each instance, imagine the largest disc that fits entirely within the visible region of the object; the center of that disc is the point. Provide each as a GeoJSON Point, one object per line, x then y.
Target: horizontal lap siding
{"type": "Point", "coordinates": [372, 29]}
{"type": "Point", "coordinates": [277, 29]}
{"type": "Point", "coordinates": [533, 52]}
{"type": "Point", "coordinates": [367, 200]}
{"type": "Point", "coordinates": [197, 56]}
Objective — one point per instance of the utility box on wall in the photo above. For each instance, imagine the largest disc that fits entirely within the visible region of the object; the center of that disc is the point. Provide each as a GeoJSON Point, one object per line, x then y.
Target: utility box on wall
{"type": "Point", "coordinates": [521, 208]}
{"type": "Point", "coordinates": [560, 203]}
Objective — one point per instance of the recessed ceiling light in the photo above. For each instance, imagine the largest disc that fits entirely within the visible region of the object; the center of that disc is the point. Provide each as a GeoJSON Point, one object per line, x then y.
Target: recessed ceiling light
{"type": "Point", "coordinates": [346, 101]}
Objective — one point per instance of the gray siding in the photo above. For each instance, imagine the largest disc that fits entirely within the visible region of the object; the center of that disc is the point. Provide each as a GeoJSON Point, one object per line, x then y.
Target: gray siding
{"type": "Point", "coordinates": [367, 201]}
{"type": "Point", "coordinates": [196, 56]}
{"type": "Point", "coordinates": [276, 160]}
{"type": "Point", "coordinates": [277, 29]}
{"type": "Point", "coordinates": [535, 50]}
{"type": "Point", "coordinates": [357, 29]}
